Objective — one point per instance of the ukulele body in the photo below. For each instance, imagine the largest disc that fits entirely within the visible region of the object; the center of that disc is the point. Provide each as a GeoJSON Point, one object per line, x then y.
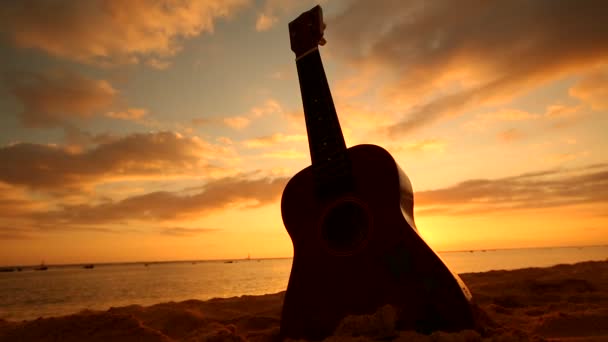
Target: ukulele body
{"type": "Point", "coordinates": [385, 260]}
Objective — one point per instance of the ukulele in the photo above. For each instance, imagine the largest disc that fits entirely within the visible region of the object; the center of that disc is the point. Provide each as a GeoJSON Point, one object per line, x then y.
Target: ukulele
{"type": "Point", "coordinates": [350, 218]}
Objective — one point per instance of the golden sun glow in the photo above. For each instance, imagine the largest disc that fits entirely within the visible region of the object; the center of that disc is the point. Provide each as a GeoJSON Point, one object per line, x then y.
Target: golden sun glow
{"type": "Point", "coordinates": [176, 143]}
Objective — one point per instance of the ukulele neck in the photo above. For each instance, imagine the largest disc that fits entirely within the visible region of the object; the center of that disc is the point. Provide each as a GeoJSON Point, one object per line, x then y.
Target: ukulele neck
{"type": "Point", "coordinates": [330, 164]}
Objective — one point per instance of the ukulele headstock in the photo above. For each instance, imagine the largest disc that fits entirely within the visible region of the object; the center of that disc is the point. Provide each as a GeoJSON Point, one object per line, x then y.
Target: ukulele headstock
{"type": "Point", "coordinates": [306, 31]}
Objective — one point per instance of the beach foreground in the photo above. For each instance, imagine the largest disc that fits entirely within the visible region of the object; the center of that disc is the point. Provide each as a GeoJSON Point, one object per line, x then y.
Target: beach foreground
{"type": "Point", "coordinates": [560, 303]}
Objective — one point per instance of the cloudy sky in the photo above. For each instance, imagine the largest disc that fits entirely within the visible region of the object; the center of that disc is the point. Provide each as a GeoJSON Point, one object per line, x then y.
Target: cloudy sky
{"type": "Point", "coordinates": [166, 130]}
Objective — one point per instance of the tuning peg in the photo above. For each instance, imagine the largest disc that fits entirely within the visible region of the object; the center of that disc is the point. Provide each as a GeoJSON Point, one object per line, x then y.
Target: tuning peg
{"type": "Point", "coordinates": [322, 41]}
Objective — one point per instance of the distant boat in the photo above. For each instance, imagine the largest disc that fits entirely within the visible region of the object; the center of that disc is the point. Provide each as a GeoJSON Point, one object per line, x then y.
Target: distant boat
{"type": "Point", "coordinates": [228, 262]}
{"type": "Point", "coordinates": [42, 267]}
{"type": "Point", "coordinates": [88, 266]}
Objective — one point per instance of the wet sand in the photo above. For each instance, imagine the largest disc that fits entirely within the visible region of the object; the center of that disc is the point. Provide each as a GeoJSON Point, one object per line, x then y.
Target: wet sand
{"type": "Point", "coordinates": [560, 303]}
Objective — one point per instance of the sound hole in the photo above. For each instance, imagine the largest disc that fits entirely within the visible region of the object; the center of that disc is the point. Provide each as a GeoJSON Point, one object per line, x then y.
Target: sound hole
{"type": "Point", "coordinates": [345, 227]}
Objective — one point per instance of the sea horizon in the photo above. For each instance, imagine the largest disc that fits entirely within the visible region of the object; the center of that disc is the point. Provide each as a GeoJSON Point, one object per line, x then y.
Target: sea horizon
{"type": "Point", "coordinates": [168, 261]}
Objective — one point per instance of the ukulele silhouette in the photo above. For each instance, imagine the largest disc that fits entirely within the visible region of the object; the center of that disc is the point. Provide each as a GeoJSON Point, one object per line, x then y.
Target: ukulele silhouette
{"type": "Point", "coordinates": [350, 218]}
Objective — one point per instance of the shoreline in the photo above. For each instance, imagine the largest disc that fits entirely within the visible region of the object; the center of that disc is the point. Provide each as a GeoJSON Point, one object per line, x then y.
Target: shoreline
{"type": "Point", "coordinates": [238, 259]}
{"type": "Point", "coordinates": [567, 302]}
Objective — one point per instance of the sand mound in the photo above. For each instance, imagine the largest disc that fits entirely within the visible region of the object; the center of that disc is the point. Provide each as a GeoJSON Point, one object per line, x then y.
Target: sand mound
{"type": "Point", "coordinates": [561, 303]}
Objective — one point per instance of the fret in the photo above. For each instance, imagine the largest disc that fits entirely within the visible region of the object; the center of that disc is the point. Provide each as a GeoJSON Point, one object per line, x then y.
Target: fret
{"type": "Point", "coordinates": [330, 164]}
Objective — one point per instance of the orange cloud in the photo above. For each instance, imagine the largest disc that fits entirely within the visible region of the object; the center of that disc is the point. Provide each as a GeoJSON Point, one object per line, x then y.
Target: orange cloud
{"type": "Point", "coordinates": [11, 233]}
{"type": "Point", "coordinates": [28, 216]}
{"type": "Point", "coordinates": [271, 10]}
{"type": "Point", "coordinates": [565, 156]}
{"type": "Point", "coordinates": [426, 145]}
{"type": "Point", "coordinates": [265, 22]}
{"type": "Point", "coordinates": [14, 202]}
{"type": "Point", "coordinates": [112, 32]}
{"type": "Point", "coordinates": [185, 232]}
{"type": "Point", "coordinates": [132, 114]}
{"type": "Point", "coordinates": [558, 111]}
{"type": "Point", "coordinates": [510, 135]}
{"type": "Point", "coordinates": [15, 210]}
{"type": "Point", "coordinates": [270, 106]}
{"type": "Point", "coordinates": [286, 154]}
{"type": "Point", "coordinates": [54, 167]}
{"type": "Point", "coordinates": [224, 140]}
{"type": "Point", "coordinates": [51, 99]}
{"type": "Point", "coordinates": [274, 139]}
{"type": "Point", "coordinates": [202, 121]}
{"type": "Point", "coordinates": [166, 206]}
{"type": "Point", "coordinates": [445, 62]}
{"type": "Point", "coordinates": [556, 115]}
{"type": "Point", "coordinates": [593, 89]}
{"type": "Point", "coordinates": [239, 122]}
{"type": "Point", "coordinates": [482, 120]}
{"type": "Point", "coordinates": [549, 188]}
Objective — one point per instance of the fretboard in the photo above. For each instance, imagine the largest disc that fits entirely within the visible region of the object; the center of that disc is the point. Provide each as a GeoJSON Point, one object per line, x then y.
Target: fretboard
{"type": "Point", "coordinates": [330, 163]}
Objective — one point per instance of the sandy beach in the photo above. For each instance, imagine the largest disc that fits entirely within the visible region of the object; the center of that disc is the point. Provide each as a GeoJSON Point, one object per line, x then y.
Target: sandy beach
{"type": "Point", "coordinates": [560, 303]}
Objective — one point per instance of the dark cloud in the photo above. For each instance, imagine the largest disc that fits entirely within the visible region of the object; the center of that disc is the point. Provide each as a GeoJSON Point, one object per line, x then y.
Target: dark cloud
{"type": "Point", "coordinates": [15, 211]}
{"type": "Point", "coordinates": [165, 206]}
{"type": "Point", "coordinates": [78, 139]}
{"type": "Point", "coordinates": [24, 216]}
{"type": "Point", "coordinates": [14, 207]}
{"type": "Point", "coordinates": [14, 202]}
{"type": "Point", "coordinates": [53, 98]}
{"type": "Point", "coordinates": [547, 189]}
{"type": "Point", "coordinates": [156, 154]}
{"type": "Point", "coordinates": [14, 234]}
{"type": "Point", "coordinates": [448, 57]}
{"type": "Point", "coordinates": [110, 32]}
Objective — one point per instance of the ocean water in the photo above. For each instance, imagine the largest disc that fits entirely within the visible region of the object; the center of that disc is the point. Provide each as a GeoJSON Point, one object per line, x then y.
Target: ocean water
{"type": "Point", "coordinates": [62, 290]}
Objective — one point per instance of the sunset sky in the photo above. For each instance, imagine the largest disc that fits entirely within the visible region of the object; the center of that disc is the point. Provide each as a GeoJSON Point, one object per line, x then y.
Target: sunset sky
{"type": "Point", "coordinates": [166, 130]}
